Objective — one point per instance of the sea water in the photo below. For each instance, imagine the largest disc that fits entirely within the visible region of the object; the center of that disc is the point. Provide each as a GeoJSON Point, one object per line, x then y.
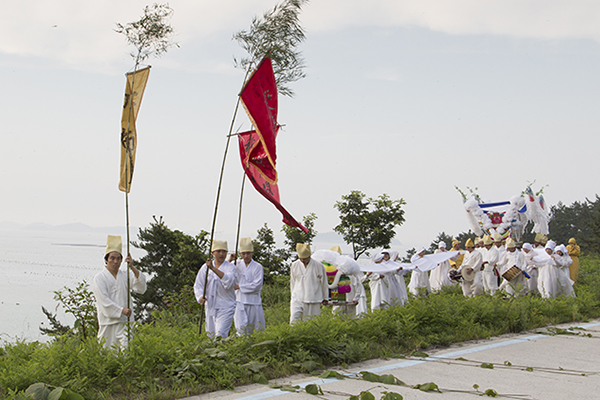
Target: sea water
{"type": "Point", "coordinates": [35, 264]}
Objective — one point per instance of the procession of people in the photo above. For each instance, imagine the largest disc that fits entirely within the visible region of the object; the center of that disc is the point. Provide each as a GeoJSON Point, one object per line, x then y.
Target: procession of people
{"type": "Point", "coordinates": [230, 289]}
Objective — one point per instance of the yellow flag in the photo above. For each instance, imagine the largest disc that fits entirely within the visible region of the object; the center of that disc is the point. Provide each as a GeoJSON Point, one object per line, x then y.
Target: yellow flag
{"type": "Point", "coordinates": [134, 90]}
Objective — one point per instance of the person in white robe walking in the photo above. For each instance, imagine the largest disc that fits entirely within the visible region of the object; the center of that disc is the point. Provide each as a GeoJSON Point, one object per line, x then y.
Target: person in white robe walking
{"type": "Point", "coordinates": [438, 277]}
{"type": "Point", "coordinates": [490, 257]}
{"type": "Point", "coordinates": [472, 261]}
{"type": "Point", "coordinates": [219, 299]}
{"type": "Point", "coordinates": [308, 285]}
{"type": "Point", "coordinates": [531, 268]}
{"type": "Point", "coordinates": [379, 285]}
{"type": "Point", "coordinates": [419, 281]}
{"type": "Point", "coordinates": [249, 314]}
{"type": "Point", "coordinates": [517, 286]}
{"type": "Point", "coordinates": [112, 297]}
{"type": "Point", "coordinates": [563, 261]}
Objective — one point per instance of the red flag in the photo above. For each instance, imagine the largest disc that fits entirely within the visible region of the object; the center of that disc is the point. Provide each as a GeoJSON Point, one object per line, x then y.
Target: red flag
{"type": "Point", "coordinates": [259, 97]}
{"type": "Point", "coordinates": [256, 173]}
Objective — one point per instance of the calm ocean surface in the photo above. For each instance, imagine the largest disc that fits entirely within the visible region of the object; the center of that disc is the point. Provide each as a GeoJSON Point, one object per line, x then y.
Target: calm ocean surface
{"type": "Point", "coordinates": [34, 264]}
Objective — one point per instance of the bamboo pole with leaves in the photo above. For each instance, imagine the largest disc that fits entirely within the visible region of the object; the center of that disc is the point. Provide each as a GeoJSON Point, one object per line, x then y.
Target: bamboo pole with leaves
{"type": "Point", "coordinates": [150, 36]}
{"type": "Point", "coordinates": [277, 35]}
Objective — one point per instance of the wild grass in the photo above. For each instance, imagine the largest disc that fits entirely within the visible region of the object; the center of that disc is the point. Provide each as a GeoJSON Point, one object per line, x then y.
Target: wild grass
{"type": "Point", "coordinates": [168, 359]}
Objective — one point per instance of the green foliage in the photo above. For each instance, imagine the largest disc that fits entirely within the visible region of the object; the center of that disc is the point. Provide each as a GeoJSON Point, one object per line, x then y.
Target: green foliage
{"type": "Point", "coordinates": [167, 358]}
{"type": "Point", "coordinates": [276, 35]}
{"type": "Point", "coordinates": [427, 387]}
{"type": "Point", "coordinates": [81, 304]}
{"type": "Point", "coordinates": [313, 389]}
{"type": "Point", "coordinates": [41, 391]}
{"type": "Point", "coordinates": [579, 220]}
{"type": "Point", "coordinates": [295, 235]}
{"type": "Point", "coordinates": [173, 259]}
{"type": "Point", "coordinates": [151, 34]}
{"type": "Point", "coordinates": [368, 223]}
{"type": "Point", "coordinates": [272, 259]}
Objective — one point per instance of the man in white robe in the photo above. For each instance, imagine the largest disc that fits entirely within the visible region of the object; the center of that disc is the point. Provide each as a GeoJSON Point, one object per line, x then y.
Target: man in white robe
{"type": "Point", "coordinates": [249, 315]}
{"type": "Point", "coordinates": [563, 261]}
{"type": "Point", "coordinates": [473, 261]}
{"type": "Point", "coordinates": [517, 286]}
{"type": "Point", "coordinates": [217, 293]}
{"type": "Point", "coordinates": [531, 268]}
{"type": "Point", "coordinates": [112, 298]}
{"type": "Point", "coordinates": [419, 280]}
{"type": "Point", "coordinates": [308, 285]}
{"type": "Point", "coordinates": [439, 275]}
{"type": "Point", "coordinates": [379, 285]}
{"type": "Point", "coordinates": [490, 258]}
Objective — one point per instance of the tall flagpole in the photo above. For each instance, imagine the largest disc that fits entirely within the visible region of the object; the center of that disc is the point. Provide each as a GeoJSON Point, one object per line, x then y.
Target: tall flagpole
{"type": "Point", "coordinates": [214, 221]}
{"type": "Point", "coordinates": [128, 166]}
{"type": "Point", "coordinates": [237, 235]}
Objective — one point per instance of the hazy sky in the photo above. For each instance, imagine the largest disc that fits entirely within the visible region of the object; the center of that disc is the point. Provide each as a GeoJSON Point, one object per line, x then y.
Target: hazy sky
{"type": "Point", "coordinates": [408, 98]}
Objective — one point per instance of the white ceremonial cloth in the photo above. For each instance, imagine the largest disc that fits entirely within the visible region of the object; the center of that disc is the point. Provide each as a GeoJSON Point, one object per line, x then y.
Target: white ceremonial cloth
{"type": "Point", "coordinates": [419, 279]}
{"type": "Point", "coordinates": [439, 275]}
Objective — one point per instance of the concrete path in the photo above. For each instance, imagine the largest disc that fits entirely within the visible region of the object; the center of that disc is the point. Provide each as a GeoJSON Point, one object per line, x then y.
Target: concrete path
{"type": "Point", "coordinates": [561, 363]}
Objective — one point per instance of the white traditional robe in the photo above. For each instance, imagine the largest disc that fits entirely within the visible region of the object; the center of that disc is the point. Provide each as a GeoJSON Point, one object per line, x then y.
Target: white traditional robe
{"type": "Point", "coordinates": [532, 270]}
{"type": "Point", "coordinates": [249, 315]}
{"type": "Point", "coordinates": [565, 284]}
{"type": "Point", "coordinates": [111, 298]}
{"type": "Point", "coordinates": [489, 260]}
{"type": "Point", "coordinates": [473, 260]}
{"type": "Point", "coordinates": [397, 287]}
{"type": "Point", "coordinates": [380, 292]}
{"type": "Point", "coordinates": [418, 280]}
{"type": "Point", "coordinates": [518, 285]}
{"type": "Point", "coordinates": [220, 295]}
{"type": "Point", "coordinates": [439, 275]}
{"type": "Point", "coordinates": [309, 287]}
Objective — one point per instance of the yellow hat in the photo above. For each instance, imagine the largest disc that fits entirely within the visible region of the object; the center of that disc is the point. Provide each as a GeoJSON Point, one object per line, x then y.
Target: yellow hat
{"type": "Point", "coordinates": [497, 237]}
{"type": "Point", "coordinates": [219, 245]}
{"type": "Point", "coordinates": [246, 245]}
{"type": "Point", "coordinates": [487, 240]}
{"type": "Point", "coordinates": [572, 241]}
{"type": "Point", "coordinates": [544, 240]}
{"type": "Point", "coordinates": [469, 243]}
{"type": "Point", "coordinates": [510, 243]}
{"type": "Point", "coordinates": [337, 249]}
{"type": "Point", "coordinates": [455, 242]}
{"type": "Point", "coordinates": [303, 250]}
{"type": "Point", "coordinates": [114, 243]}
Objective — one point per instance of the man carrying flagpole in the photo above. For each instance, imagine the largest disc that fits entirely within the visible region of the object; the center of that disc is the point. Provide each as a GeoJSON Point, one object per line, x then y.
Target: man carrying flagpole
{"type": "Point", "coordinates": [215, 290]}
{"type": "Point", "coordinates": [110, 288]}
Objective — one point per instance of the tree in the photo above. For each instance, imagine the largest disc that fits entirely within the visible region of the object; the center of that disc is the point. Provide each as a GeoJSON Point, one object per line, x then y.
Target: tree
{"type": "Point", "coordinates": [173, 259]}
{"type": "Point", "coordinates": [276, 35]}
{"type": "Point", "coordinates": [570, 221]}
{"type": "Point", "coordinates": [151, 34]}
{"type": "Point", "coordinates": [273, 260]}
{"type": "Point", "coordinates": [441, 237]}
{"type": "Point", "coordinates": [295, 235]}
{"type": "Point", "coordinates": [368, 223]}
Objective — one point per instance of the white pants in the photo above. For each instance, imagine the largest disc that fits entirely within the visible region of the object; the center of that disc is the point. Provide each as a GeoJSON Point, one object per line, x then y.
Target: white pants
{"type": "Point", "coordinates": [474, 288]}
{"type": "Point", "coordinates": [113, 334]}
{"type": "Point", "coordinates": [219, 324]}
{"type": "Point", "coordinates": [300, 311]}
{"type": "Point", "coordinates": [490, 280]}
{"type": "Point", "coordinates": [248, 318]}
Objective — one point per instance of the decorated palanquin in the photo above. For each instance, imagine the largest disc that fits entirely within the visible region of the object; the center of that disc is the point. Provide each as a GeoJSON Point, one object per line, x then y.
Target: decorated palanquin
{"type": "Point", "coordinates": [337, 292]}
{"type": "Point", "coordinates": [512, 219]}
